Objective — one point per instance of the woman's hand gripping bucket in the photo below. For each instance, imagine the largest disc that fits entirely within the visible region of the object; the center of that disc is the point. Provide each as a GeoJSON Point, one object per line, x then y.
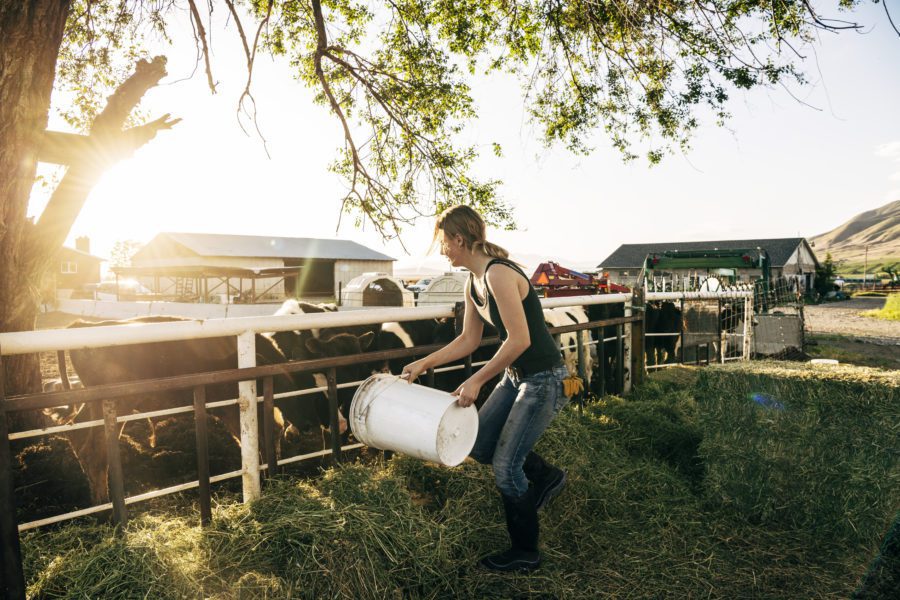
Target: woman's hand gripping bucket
{"type": "Point", "coordinates": [389, 413]}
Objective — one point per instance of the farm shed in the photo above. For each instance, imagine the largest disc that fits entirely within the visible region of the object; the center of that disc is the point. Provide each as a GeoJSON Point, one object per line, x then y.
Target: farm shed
{"type": "Point", "coordinates": [73, 268]}
{"type": "Point", "coordinates": [246, 268]}
{"type": "Point", "coordinates": [791, 258]}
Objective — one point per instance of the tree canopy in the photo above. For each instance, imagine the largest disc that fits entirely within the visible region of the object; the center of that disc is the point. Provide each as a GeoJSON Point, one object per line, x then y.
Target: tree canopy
{"type": "Point", "coordinates": [397, 74]}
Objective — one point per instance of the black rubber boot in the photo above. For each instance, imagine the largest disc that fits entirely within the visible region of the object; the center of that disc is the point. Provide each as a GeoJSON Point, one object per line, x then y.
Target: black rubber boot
{"type": "Point", "coordinates": [522, 524]}
{"type": "Point", "coordinates": [548, 481]}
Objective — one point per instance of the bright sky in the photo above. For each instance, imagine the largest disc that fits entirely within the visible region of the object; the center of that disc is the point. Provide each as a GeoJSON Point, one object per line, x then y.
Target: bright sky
{"type": "Point", "coordinates": [782, 169]}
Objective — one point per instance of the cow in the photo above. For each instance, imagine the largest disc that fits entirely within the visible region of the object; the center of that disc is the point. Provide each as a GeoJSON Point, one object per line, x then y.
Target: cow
{"type": "Point", "coordinates": [99, 366]}
{"type": "Point", "coordinates": [330, 342]}
{"type": "Point", "coordinates": [661, 317]}
{"type": "Point", "coordinates": [569, 315]}
{"type": "Point", "coordinates": [409, 334]}
{"type": "Point", "coordinates": [604, 379]}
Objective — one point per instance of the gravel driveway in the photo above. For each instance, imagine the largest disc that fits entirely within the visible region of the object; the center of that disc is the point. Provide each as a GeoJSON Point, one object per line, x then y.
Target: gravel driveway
{"type": "Point", "coordinates": [844, 318]}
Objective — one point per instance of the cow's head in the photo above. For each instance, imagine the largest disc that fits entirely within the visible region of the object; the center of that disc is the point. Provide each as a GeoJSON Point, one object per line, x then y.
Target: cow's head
{"type": "Point", "coordinates": [293, 343]}
{"type": "Point", "coordinates": [339, 344]}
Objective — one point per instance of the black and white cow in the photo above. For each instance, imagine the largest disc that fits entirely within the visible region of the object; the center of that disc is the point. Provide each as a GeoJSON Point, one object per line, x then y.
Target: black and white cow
{"type": "Point", "coordinates": [568, 342]}
{"type": "Point", "coordinates": [100, 366]}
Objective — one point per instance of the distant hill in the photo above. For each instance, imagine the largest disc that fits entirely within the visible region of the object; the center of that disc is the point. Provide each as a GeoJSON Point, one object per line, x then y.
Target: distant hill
{"type": "Point", "coordinates": [879, 229]}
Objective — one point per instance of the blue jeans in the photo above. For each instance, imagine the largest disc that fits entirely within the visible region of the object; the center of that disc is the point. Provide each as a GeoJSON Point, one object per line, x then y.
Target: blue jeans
{"type": "Point", "coordinates": [512, 419]}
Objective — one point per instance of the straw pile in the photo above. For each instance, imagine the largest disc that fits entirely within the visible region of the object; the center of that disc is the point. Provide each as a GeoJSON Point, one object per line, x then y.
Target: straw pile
{"type": "Point", "coordinates": [689, 488]}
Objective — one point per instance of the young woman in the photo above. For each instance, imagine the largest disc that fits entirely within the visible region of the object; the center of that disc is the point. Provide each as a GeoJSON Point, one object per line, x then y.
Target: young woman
{"type": "Point", "coordinates": [528, 396]}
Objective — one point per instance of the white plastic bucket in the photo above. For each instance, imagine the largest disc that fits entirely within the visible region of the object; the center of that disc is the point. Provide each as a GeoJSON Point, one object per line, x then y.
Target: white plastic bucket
{"type": "Point", "coordinates": [389, 413]}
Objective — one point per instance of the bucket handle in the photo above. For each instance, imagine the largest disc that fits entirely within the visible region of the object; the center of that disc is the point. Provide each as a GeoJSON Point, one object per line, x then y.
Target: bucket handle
{"type": "Point", "coordinates": [363, 413]}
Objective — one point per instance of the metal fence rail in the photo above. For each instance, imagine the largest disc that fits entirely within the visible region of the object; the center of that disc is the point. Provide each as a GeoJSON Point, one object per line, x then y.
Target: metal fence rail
{"type": "Point", "coordinates": [244, 329]}
{"type": "Point", "coordinates": [627, 344]}
{"type": "Point", "coordinates": [710, 327]}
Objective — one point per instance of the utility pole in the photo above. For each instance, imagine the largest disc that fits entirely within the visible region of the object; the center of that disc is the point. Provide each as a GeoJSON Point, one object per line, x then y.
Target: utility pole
{"type": "Point", "coordinates": [866, 268]}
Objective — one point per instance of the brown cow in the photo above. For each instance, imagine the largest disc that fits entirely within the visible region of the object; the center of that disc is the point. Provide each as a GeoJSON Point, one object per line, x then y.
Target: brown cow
{"type": "Point", "coordinates": [99, 366]}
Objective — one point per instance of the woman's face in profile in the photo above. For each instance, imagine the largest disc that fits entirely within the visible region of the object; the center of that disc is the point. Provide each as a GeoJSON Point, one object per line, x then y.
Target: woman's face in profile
{"type": "Point", "coordinates": [452, 247]}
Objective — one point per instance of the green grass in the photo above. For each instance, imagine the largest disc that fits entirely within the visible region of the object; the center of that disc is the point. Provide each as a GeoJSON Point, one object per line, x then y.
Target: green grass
{"type": "Point", "coordinates": [847, 351]}
{"type": "Point", "coordinates": [890, 311]}
{"type": "Point", "coordinates": [688, 488]}
{"type": "Point", "coordinates": [873, 266]}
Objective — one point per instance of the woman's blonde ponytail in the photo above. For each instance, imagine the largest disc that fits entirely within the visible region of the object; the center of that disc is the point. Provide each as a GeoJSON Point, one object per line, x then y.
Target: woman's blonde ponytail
{"type": "Point", "coordinates": [493, 250]}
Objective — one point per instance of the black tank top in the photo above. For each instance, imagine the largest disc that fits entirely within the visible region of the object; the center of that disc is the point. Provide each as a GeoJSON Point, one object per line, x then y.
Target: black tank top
{"type": "Point", "coordinates": [543, 353]}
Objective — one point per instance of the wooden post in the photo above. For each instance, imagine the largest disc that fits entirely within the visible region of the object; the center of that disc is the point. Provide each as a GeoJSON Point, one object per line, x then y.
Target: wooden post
{"type": "Point", "coordinates": [720, 331]}
{"type": "Point", "coordinates": [748, 328]}
{"type": "Point", "coordinates": [620, 357]}
{"type": "Point", "coordinates": [638, 366]}
{"type": "Point", "coordinates": [334, 424]}
{"type": "Point", "coordinates": [627, 351]}
{"type": "Point", "coordinates": [246, 344]}
{"type": "Point", "coordinates": [601, 357]}
{"type": "Point", "coordinates": [579, 354]}
{"type": "Point", "coordinates": [269, 425]}
{"type": "Point", "coordinates": [61, 365]}
{"type": "Point", "coordinates": [12, 585]}
{"type": "Point", "coordinates": [202, 454]}
{"type": "Point", "coordinates": [114, 463]}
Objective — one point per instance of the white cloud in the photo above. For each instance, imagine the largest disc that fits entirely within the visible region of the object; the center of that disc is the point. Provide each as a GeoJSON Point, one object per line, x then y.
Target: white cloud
{"type": "Point", "coordinates": [889, 150]}
{"type": "Point", "coordinates": [892, 195]}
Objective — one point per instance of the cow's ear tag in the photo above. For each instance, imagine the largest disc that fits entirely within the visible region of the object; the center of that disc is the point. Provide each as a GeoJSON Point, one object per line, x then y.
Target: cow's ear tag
{"type": "Point", "coordinates": [366, 339]}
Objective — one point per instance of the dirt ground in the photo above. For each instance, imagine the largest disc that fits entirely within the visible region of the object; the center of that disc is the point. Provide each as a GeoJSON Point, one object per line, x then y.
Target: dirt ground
{"type": "Point", "coordinates": [838, 330]}
{"type": "Point", "coordinates": [843, 318]}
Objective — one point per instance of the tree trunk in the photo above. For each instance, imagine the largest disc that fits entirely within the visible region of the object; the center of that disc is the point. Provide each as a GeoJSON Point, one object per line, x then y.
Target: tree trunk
{"type": "Point", "coordinates": [31, 32]}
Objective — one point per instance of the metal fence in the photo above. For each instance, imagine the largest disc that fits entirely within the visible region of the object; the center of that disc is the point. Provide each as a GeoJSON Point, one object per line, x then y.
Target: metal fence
{"type": "Point", "coordinates": [696, 327]}
{"type": "Point", "coordinates": [247, 374]}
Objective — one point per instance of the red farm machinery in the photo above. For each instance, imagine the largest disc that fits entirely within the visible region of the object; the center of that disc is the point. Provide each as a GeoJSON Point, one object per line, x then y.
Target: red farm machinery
{"type": "Point", "coordinates": [555, 280]}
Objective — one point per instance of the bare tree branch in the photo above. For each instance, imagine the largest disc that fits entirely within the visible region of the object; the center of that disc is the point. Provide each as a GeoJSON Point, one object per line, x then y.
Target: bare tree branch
{"type": "Point", "coordinates": [200, 38]}
{"type": "Point", "coordinates": [111, 144]}
{"type": "Point", "coordinates": [250, 54]}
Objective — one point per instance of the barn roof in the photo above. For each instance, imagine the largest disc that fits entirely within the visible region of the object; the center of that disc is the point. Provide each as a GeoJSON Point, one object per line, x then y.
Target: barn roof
{"type": "Point", "coordinates": [82, 253]}
{"type": "Point", "coordinates": [262, 246]}
{"type": "Point", "coordinates": [632, 256]}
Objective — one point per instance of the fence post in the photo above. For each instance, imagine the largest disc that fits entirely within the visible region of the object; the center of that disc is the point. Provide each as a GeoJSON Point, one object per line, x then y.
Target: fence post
{"type": "Point", "coordinates": [579, 353]}
{"type": "Point", "coordinates": [748, 327]}
{"type": "Point", "coordinates": [620, 368]}
{"type": "Point", "coordinates": [246, 345]}
{"type": "Point", "coordinates": [334, 422]}
{"type": "Point", "coordinates": [601, 358]}
{"type": "Point", "coordinates": [202, 454]}
{"type": "Point", "coordinates": [638, 365]}
{"type": "Point", "coordinates": [12, 585]}
{"type": "Point", "coordinates": [114, 463]}
{"type": "Point", "coordinates": [681, 331]}
{"type": "Point", "coordinates": [627, 349]}
{"type": "Point", "coordinates": [720, 331]}
{"type": "Point", "coordinates": [269, 425]}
